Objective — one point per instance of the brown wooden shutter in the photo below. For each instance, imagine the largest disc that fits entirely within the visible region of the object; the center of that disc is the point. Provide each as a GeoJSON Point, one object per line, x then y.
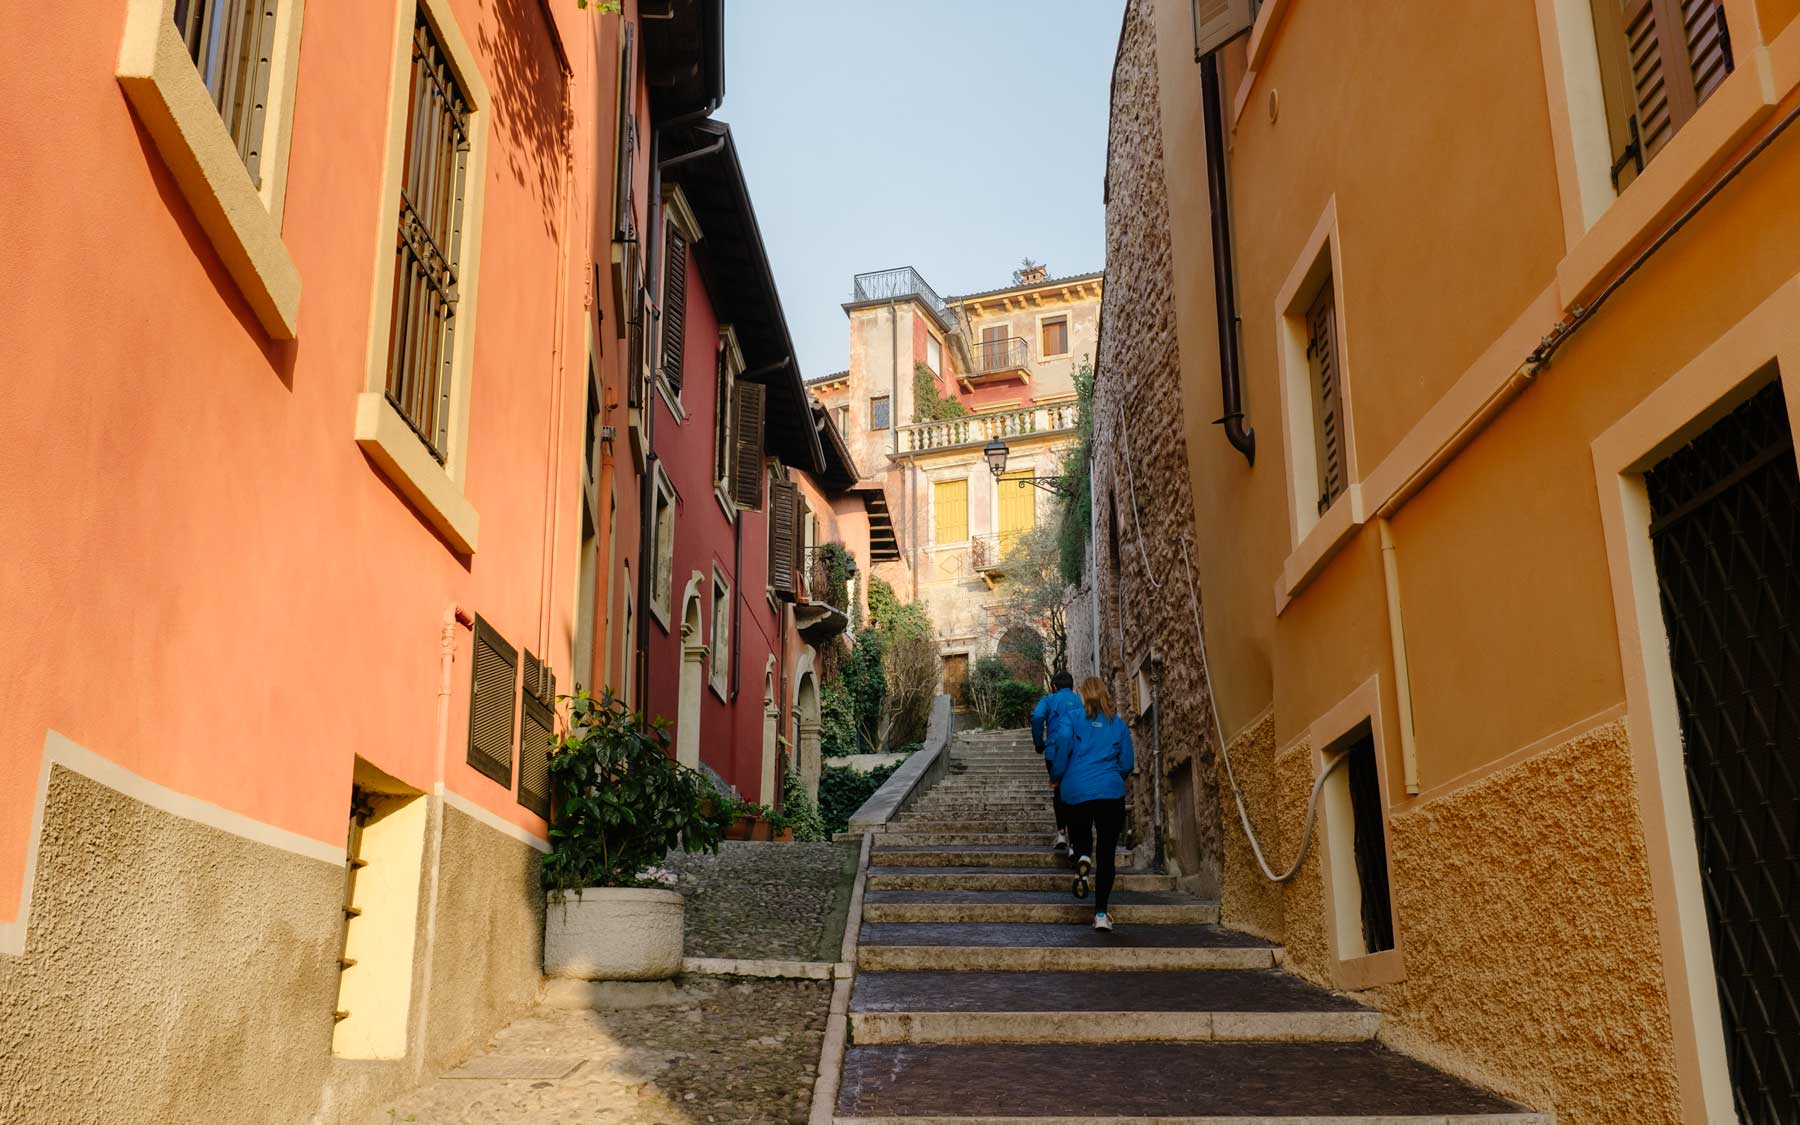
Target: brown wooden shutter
{"type": "Point", "coordinates": [801, 562]}
{"type": "Point", "coordinates": [627, 145]}
{"type": "Point", "coordinates": [537, 724]}
{"type": "Point", "coordinates": [747, 420]}
{"type": "Point", "coordinates": [493, 696]}
{"type": "Point", "coordinates": [1328, 398]}
{"type": "Point", "coordinates": [674, 313]}
{"type": "Point", "coordinates": [1659, 59]}
{"type": "Point", "coordinates": [634, 348]}
{"type": "Point", "coordinates": [782, 532]}
{"type": "Point", "coordinates": [1218, 22]}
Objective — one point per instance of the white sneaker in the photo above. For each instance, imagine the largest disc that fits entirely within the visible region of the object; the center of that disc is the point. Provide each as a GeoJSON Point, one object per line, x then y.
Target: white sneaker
{"type": "Point", "coordinates": [1103, 921]}
{"type": "Point", "coordinates": [1062, 842]}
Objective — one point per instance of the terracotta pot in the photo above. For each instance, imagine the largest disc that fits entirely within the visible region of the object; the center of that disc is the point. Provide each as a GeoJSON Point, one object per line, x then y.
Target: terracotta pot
{"type": "Point", "coordinates": [614, 933]}
{"type": "Point", "coordinates": [741, 827]}
{"type": "Point", "coordinates": [786, 837]}
{"type": "Point", "coordinates": [762, 830]}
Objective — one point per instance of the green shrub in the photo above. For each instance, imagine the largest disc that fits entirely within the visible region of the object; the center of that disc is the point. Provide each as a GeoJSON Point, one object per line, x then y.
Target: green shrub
{"type": "Point", "coordinates": [928, 404]}
{"type": "Point", "coordinates": [843, 790]}
{"type": "Point", "coordinates": [1013, 709]}
{"type": "Point", "coordinates": [983, 689]}
{"type": "Point", "coordinates": [837, 720]}
{"type": "Point", "coordinates": [620, 802]}
{"type": "Point", "coordinates": [865, 680]}
{"type": "Point", "coordinates": [801, 814]}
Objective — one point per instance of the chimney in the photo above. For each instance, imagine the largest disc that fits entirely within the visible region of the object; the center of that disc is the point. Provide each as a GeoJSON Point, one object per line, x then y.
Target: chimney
{"type": "Point", "coordinates": [1031, 275]}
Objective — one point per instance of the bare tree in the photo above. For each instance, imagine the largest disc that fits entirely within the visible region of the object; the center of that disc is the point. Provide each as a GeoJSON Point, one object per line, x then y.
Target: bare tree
{"type": "Point", "coordinates": [912, 666]}
{"type": "Point", "coordinates": [1038, 596]}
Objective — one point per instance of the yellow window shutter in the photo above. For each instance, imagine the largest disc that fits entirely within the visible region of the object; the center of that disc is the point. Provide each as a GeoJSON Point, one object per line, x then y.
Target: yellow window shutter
{"type": "Point", "coordinates": [950, 501]}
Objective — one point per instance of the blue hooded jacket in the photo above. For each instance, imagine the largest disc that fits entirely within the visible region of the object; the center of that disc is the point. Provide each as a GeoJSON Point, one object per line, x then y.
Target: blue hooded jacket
{"type": "Point", "coordinates": [1044, 715]}
{"type": "Point", "coordinates": [1089, 758]}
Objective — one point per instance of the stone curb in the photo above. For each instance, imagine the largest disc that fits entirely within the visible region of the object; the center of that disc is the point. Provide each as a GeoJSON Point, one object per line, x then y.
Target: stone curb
{"type": "Point", "coordinates": [837, 1023]}
{"type": "Point", "coordinates": [901, 880]}
{"type": "Point", "coordinates": [1112, 1027]}
{"type": "Point", "coordinates": [1069, 913]}
{"type": "Point", "coordinates": [772, 970]}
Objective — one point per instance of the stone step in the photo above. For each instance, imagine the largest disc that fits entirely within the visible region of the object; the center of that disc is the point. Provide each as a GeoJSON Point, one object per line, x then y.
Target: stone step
{"type": "Point", "coordinates": [1044, 879]}
{"type": "Point", "coordinates": [1128, 907]}
{"type": "Point", "coordinates": [1041, 947]}
{"type": "Point", "coordinates": [902, 855]}
{"type": "Point", "coordinates": [1036, 809]}
{"type": "Point", "coordinates": [1167, 1083]}
{"type": "Point", "coordinates": [967, 839]}
{"type": "Point", "coordinates": [1045, 824]}
{"type": "Point", "coordinates": [1225, 1004]}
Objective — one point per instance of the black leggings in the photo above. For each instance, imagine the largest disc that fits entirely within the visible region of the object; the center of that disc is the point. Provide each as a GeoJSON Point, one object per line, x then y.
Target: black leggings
{"type": "Point", "coordinates": [1062, 810]}
{"type": "Point", "coordinates": [1103, 818]}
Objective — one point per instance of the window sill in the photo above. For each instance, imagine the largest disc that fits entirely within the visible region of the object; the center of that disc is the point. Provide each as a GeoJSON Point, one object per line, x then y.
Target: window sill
{"type": "Point", "coordinates": [391, 444]}
{"type": "Point", "coordinates": [160, 81]}
{"type": "Point", "coordinates": [718, 689]}
{"type": "Point", "coordinates": [1669, 181]}
{"type": "Point", "coordinates": [671, 399]}
{"type": "Point", "coordinates": [725, 503]}
{"type": "Point", "coordinates": [1335, 528]}
{"type": "Point", "coordinates": [1369, 970]}
{"type": "Point", "coordinates": [660, 614]}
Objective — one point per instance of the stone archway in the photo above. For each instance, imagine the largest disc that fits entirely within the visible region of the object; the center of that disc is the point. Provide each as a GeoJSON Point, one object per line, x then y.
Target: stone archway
{"type": "Point", "coordinates": [693, 676]}
{"type": "Point", "coordinates": [806, 725]}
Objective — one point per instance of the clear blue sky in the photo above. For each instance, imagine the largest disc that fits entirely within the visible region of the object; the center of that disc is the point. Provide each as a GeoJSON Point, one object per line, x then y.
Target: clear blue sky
{"type": "Point", "coordinates": [957, 136]}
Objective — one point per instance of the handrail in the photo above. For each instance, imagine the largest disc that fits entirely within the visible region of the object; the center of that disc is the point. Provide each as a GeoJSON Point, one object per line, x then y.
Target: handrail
{"type": "Point", "coordinates": [989, 356]}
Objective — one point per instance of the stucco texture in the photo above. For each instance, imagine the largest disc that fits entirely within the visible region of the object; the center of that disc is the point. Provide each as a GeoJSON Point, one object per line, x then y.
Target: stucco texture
{"type": "Point", "coordinates": [1249, 901]}
{"type": "Point", "coordinates": [172, 972]}
{"type": "Point", "coordinates": [1524, 906]}
{"type": "Point", "coordinates": [176, 972]}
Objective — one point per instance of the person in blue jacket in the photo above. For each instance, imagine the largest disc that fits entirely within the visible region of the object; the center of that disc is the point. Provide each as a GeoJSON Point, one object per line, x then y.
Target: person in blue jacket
{"type": "Point", "coordinates": [1090, 754]}
{"type": "Point", "coordinates": [1061, 700]}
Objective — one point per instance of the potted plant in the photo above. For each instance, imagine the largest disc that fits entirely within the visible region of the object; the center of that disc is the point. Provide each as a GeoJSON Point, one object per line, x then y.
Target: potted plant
{"type": "Point", "coordinates": [620, 803]}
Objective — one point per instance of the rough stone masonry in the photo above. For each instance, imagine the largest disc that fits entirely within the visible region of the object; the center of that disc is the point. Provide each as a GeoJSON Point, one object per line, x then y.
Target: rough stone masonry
{"type": "Point", "coordinates": [1143, 511]}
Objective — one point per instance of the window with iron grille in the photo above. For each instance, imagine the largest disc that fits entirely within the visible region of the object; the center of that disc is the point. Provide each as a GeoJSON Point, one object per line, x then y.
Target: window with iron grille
{"type": "Point", "coordinates": [232, 43]}
{"type": "Point", "coordinates": [879, 412]}
{"type": "Point", "coordinates": [428, 242]}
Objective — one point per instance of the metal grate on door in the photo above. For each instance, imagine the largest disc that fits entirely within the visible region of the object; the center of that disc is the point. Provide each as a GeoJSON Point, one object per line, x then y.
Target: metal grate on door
{"type": "Point", "coordinates": [1725, 528]}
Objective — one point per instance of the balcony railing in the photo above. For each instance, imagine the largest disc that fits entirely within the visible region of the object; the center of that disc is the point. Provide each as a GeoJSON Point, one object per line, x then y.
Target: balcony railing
{"type": "Point", "coordinates": [898, 285]}
{"type": "Point", "coordinates": [999, 357]}
{"type": "Point", "coordinates": [978, 429]}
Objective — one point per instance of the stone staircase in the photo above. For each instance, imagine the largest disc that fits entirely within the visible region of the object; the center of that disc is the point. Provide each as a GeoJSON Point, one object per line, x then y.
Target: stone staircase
{"type": "Point", "coordinates": [982, 994]}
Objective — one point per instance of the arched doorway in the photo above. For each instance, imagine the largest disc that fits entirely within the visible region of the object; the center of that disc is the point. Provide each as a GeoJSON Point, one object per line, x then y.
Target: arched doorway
{"type": "Point", "coordinates": [693, 677]}
{"type": "Point", "coordinates": [771, 734]}
{"type": "Point", "coordinates": [806, 724]}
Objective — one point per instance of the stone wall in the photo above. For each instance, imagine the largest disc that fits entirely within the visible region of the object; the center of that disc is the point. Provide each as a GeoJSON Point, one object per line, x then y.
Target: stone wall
{"type": "Point", "coordinates": [1143, 511]}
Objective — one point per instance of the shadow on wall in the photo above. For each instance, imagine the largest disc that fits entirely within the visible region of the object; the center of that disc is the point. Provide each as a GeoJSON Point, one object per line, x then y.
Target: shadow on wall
{"type": "Point", "coordinates": [530, 100]}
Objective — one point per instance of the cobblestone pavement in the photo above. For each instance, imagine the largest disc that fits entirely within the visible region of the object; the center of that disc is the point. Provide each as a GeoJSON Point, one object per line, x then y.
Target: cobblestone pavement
{"type": "Point", "coordinates": [728, 1052]}
{"type": "Point", "coordinates": [782, 902]}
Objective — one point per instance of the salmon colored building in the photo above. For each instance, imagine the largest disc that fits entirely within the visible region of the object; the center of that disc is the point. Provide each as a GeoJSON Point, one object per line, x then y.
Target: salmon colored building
{"type": "Point", "coordinates": [321, 333]}
{"type": "Point", "coordinates": [1445, 471]}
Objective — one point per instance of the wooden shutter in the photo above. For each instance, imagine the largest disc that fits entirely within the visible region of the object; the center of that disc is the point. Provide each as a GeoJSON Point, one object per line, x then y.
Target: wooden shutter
{"type": "Point", "coordinates": [782, 530]}
{"type": "Point", "coordinates": [1328, 398]}
{"type": "Point", "coordinates": [634, 346]}
{"type": "Point", "coordinates": [674, 312]}
{"type": "Point", "coordinates": [1218, 22]}
{"type": "Point", "coordinates": [747, 420]}
{"type": "Point", "coordinates": [802, 510]}
{"type": "Point", "coordinates": [627, 145]}
{"type": "Point", "coordinates": [1659, 59]}
{"type": "Point", "coordinates": [950, 504]}
{"type": "Point", "coordinates": [537, 724]}
{"type": "Point", "coordinates": [492, 697]}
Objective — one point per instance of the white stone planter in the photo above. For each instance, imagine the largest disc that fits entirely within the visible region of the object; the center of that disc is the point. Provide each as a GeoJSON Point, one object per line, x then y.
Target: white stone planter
{"type": "Point", "coordinates": [614, 933]}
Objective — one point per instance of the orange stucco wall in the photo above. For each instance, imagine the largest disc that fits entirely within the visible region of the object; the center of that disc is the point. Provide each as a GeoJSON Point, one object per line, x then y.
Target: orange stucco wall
{"type": "Point", "coordinates": [209, 583]}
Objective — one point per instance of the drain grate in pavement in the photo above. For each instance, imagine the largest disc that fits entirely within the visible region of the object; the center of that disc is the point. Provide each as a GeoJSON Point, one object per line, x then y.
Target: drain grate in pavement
{"type": "Point", "coordinates": [499, 1067]}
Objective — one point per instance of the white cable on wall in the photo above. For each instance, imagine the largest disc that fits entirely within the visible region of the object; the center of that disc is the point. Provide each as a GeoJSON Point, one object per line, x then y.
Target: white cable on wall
{"type": "Point", "coordinates": [1237, 794]}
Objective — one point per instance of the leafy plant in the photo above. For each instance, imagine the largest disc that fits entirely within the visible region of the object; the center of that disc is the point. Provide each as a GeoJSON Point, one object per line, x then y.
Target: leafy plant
{"type": "Point", "coordinates": [1017, 698]}
{"type": "Point", "coordinates": [802, 814]}
{"type": "Point", "coordinates": [1076, 518]}
{"type": "Point", "coordinates": [983, 689]}
{"type": "Point", "coordinates": [864, 678]}
{"type": "Point", "coordinates": [620, 802]}
{"type": "Point", "coordinates": [843, 790]}
{"type": "Point", "coordinates": [929, 405]}
{"type": "Point", "coordinates": [837, 720]}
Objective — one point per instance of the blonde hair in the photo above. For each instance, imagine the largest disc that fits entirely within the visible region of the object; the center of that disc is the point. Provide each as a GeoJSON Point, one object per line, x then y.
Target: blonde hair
{"type": "Point", "coordinates": [1096, 696]}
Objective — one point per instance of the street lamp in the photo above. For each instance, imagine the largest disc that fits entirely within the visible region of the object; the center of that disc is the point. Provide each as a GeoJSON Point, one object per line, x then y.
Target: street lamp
{"type": "Point", "coordinates": [995, 452]}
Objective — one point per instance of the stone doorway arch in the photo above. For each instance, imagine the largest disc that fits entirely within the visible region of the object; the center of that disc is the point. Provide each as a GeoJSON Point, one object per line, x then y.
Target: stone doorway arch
{"type": "Point", "coordinates": [693, 676]}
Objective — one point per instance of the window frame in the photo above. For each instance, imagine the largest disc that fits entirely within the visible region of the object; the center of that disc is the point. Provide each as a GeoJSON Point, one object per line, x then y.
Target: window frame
{"type": "Point", "coordinates": [1045, 319]}
{"type": "Point", "coordinates": [663, 499]}
{"type": "Point", "coordinates": [730, 366]}
{"type": "Point", "coordinates": [888, 402]}
{"type": "Point", "coordinates": [718, 672]}
{"type": "Point", "coordinates": [437, 490]}
{"type": "Point", "coordinates": [934, 344]}
{"type": "Point", "coordinates": [241, 219]}
{"type": "Point", "coordinates": [678, 215]}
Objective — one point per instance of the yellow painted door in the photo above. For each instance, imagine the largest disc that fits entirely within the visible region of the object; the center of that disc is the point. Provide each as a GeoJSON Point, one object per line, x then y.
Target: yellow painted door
{"type": "Point", "coordinates": [950, 505]}
{"type": "Point", "coordinates": [1018, 507]}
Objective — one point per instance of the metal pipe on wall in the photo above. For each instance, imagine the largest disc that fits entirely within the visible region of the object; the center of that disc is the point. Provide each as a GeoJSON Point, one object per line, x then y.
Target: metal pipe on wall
{"type": "Point", "coordinates": [1231, 391]}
